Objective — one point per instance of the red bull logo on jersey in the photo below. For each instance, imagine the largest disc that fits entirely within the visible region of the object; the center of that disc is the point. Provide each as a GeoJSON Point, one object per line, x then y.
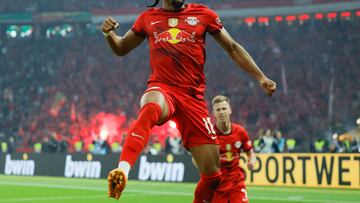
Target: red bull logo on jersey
{"type": "Point", "coordinates": [174, 36]}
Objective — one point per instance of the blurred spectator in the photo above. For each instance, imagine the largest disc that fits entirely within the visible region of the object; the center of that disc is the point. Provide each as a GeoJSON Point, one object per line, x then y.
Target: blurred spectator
{"type": "Point", "coordinates": [279, 142]}
{"type": "Point", "coordinates": [155, 145]}
{"type": "Point", "coordinates": [50, 144]}
{"type": "Point", "coordinates": [291, 145]}
{"type": "Point", "coordinates": [268, 141]}
{"type": "Point", "coordinates": [319, 145]}
{"type": "Point", "coordinates": [101, 147]}
{"type": "Point", "coordinates": [11, 145]}
{"type": "Point", "coordinates": [173, 145]}
{"type": "Point", "coordinates": [333, 148]}
{"type": "Point", "coordinates": [259, 142]}
{"type": "Point", "coordinates": [355, 146]}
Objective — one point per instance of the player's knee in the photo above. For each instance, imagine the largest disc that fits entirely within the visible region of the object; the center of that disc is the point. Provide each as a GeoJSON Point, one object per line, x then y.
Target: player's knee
{"type": "Point", "coordinates": [153, 97]}
{"type": "Point", "coordinates": [207, 185]}
{"type": "Point", "coordinates": [157, 98]}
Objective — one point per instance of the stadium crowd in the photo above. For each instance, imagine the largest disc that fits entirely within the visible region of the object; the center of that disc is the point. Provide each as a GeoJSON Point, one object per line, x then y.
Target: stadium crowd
{"type": "Point", "coordinates": [35, 6]}
{"type": "Point", "coordinates": [63, 90]}
{"type": "Point", "coordinates": [74, 5]}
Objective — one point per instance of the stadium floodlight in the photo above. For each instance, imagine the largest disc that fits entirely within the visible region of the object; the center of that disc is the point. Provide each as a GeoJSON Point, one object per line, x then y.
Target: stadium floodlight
{"type": "Point", "coordinates": [358, 121]}
{"type": "Point", "coordinates": [278, 18]}
{"type": "Point", "coordinates": [335, 136]}
{"type": "Point", "coordinates": [345, 14]}
{"type": "Point", "coordinates": [291, 18]}
{"type": "Point", "coordinates": [250, 21]}
{"type": "Point", "coordinates": [357, 13]}
{"type": "Point", "coordinates": [331, 15]}
{"type": "Point", "coordinates": [319, 16]}
{"type": "Point", "coordinates": [304, 17]}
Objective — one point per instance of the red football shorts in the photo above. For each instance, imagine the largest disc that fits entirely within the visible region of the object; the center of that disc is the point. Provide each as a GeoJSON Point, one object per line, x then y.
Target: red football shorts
{"type": "Point", "coordinates": [230, 191]}
{"type": "Point", "coordinates": [190, 115]}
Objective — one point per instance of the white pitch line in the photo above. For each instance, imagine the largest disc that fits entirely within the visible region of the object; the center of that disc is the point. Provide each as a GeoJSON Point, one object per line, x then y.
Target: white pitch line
{"type": "Point", "coordinates": [49, 198]}
{"type": "Point", "coordinates": [156, 192]}
{"type": "Point", "coordinates": [296, 198]}
{"type": "Point", "coordinates": [290, 199]}
{"type": "Point", "coordinates": [58, 198]}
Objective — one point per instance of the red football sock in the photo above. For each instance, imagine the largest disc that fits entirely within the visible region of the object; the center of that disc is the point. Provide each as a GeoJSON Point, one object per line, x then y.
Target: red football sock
{"type": "Point", "coordinates": [138, 133]}
{"type": "Point", "coordinates": [206, 187]}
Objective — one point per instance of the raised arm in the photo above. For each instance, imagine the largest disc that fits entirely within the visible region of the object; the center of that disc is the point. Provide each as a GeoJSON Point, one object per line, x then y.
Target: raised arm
{"type": "Point", "coordinates": [120, 45]}
{"type": "Point", "coordinates": [244, 60]}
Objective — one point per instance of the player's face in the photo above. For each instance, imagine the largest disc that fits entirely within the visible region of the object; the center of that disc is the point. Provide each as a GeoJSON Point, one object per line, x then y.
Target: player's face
{"type": "Point", "coordinates": [222, 111]}
{"type": "Point", "coordinates": [176, 4]}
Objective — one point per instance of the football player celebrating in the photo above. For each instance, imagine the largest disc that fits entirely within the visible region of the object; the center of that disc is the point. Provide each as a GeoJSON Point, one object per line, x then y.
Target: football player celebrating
{"type": "Point", "coordinates": [176, 37]}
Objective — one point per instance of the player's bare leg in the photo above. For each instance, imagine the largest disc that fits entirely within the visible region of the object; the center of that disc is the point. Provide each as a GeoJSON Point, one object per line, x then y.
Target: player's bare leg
{"type": "Point", "coordinates": [207, 160]}
{"type": "Point", "coordinates": [154, 110]}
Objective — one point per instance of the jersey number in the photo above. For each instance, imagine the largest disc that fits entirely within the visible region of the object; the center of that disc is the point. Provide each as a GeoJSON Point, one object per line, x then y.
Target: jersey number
{"type": "Point", "coordinates": [245, 194]}
{"type": "Point", "coordinates": [209, 126]}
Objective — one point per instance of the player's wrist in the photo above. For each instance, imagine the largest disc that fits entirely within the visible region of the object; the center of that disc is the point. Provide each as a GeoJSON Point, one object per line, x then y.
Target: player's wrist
{"type": "Point", "coordinates": [107, 34]}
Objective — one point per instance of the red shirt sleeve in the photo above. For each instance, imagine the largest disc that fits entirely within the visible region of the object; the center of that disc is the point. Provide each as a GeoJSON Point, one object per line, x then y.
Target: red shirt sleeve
{"type": "Point", "coordinates": [247, 144]}
{"type": "Point", "coordinates": [139, 25]}
{"type": "Point", "coordinates": [214, 24]}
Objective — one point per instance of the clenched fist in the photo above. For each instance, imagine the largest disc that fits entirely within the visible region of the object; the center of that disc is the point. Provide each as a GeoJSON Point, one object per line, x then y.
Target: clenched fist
{"type": "Point", "coordinates": [268, 86]}
{"type": "Point", "coordinates": [109, 25]}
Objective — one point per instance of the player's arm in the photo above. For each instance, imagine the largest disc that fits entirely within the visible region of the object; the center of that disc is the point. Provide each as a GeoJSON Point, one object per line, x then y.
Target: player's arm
{"type": "Point", "coordinates": [251, 159]}
{"type": "Point", "coordinates": [120, 45]}
{"type": "Point", "coordinates": [244, 60]}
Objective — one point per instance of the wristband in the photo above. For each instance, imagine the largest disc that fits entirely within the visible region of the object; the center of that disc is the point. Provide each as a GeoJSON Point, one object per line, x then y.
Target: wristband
{"type": "Point", "coordinates": [107, 34]}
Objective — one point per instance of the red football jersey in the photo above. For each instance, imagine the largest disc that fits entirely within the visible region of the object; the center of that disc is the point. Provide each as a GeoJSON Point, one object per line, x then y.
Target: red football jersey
{"type": "Point", "coordinates": [230, 148]}
{"type": "Point", "coordinates": [177, 44]}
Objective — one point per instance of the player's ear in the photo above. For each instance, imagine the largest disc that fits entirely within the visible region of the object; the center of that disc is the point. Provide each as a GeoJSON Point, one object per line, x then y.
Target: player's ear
{"type": "Point", "coordinates": [230, 110]}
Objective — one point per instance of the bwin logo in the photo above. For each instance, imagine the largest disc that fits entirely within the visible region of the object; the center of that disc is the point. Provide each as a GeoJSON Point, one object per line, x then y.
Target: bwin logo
{"type": "Point", "coordinates": [19, 167]}
{"type": "Point", "coordinates": [161, 171]}
{"type": "Point", "coordinates": [82, 169]}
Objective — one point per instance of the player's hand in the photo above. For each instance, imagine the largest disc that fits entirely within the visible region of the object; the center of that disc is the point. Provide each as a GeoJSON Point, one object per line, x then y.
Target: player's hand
{"type": "Point", "coordinates": [116, 183]}
{"type": "Point", "coordinates": [109, 25]}
{"type": "Point", "coordinates": [268, 86]}
{"type": "Point", "coordinates": [251, 165]}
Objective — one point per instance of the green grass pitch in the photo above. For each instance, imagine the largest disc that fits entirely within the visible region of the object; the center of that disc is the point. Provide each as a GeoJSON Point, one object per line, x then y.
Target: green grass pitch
{"type": "Point", "coordinates": [64, 190]}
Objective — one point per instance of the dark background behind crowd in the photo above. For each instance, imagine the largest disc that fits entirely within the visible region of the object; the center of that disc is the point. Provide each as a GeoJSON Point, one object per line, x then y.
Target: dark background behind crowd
{"type": "Point", "coordinates": [74, 94]}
